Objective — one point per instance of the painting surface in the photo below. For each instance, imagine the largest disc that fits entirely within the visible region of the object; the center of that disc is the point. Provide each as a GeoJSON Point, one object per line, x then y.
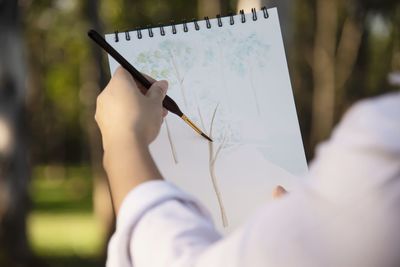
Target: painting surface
{"type": "Point", "coordinates": [233, 82]}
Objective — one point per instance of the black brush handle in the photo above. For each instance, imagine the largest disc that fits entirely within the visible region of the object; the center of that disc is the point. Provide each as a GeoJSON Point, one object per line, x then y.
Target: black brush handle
{"type": "Point", "coordinates": [168, 103]}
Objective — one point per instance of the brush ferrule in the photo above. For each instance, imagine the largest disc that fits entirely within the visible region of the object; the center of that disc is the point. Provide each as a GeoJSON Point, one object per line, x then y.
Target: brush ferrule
{"type": "Point", "coordinates": [191, 124]}
{"type": "Point", "coordinates": [194, 127]}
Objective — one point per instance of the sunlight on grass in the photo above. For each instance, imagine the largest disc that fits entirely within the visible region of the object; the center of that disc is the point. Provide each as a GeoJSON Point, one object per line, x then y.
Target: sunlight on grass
{"type": "Point", "coordinates": [62, 223]}
{"type": "Point", "coordinates": [65, 234]}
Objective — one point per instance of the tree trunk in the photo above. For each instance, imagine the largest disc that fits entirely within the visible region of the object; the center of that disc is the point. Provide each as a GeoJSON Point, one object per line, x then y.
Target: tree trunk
{"type": "Point", "coordinates": [247, 5]}
{"type": "Point", "coordinates": [208, 8]}
{"type": "Point", "coordinates": [14, 167]}
{"type": "Point", "coordinates": [224, 6]}
{"type": "Point", "coordinates": [324, 70]}
{"type": "Point", "coordinates": [347, 53]}
{"type": "Point", "coordinates": [93, 80]}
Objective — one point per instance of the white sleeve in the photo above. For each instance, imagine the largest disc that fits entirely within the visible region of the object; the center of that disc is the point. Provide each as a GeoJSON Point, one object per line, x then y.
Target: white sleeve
{"type": "Point", "coordinates": [160, 226]}
{"type": "Point", "coordinates": [158, 214]}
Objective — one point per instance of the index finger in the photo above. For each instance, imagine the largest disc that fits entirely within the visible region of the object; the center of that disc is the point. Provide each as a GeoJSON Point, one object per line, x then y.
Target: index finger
{"type": "Point", "coordinates": [141, 87]}
{"type": "Point", "coordinates": [122, 78]}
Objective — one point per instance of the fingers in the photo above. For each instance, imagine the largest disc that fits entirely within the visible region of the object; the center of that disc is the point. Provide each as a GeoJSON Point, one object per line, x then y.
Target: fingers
{"type": "Point", "coordinates": [165, 112]}
{"type": "Point", "coordinates": [149, 78]}
{"type": "Point", "coordinates": [123, 79]}
{"type": "Point", "coordinates": [158, 91]}
{"type": "Point", "coordinates": [278, 192]}
{"type": "Point", "coordinates": [141, 87]}
{"type": "Point", "coordinates": [122, 74]}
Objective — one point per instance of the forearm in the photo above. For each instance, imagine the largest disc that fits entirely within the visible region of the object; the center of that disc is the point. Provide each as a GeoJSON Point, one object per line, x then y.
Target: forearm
{"type": "Point", "coordinates": [128, 164]}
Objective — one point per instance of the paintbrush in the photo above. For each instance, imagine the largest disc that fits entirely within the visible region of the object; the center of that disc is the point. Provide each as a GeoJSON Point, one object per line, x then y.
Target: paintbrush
{"type": "Point", "coordinates": [168, 103]}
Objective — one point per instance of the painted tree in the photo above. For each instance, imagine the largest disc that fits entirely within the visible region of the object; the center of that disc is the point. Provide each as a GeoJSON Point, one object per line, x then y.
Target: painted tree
{"type": "Point", "coordinates": [154, 64]}
{"type": "Point", "coordinates": [181, 59]}
{"type": "Point", "coordinates": [250, 54]}
{"type": "Point", "coordinates": [216, 60]}
{"type": "Point", "coordinates": [172, 60]}
{"type": "Point", "coordinates": [214, 151]}
{"type": "Point", "coordinates": [225, 136]}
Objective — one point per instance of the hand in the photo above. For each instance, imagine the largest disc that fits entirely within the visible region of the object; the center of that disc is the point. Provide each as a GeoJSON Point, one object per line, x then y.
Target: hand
{"type": "Point", "coordinates": [123, 111]}
{"type": "Point", "coordinates": [278, 192]}
{"type": "Point", "coordinates": [129, 119]}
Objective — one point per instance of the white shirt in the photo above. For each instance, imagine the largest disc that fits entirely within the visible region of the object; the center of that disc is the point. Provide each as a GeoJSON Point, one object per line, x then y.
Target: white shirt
{"type": "Point", "coordinates": [349, 214]}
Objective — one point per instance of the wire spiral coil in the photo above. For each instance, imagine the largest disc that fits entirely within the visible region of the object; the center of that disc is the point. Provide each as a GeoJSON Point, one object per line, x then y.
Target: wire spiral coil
{"type": "Point", "coordinates": [185, 23]}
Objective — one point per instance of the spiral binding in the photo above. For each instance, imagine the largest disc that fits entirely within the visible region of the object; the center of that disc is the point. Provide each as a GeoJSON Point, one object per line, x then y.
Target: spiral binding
{"type": "Point", "coordinates": [195, 23]}
{"type": "Point", "coordinates": [150, 30]}
{"type": "Point", "coordinates": [162, 31]}
{"type": "Point", "coordinates": [185, 27]}
{"type": "Point", "coordinates": [208, 23]}
{"type": "Point", "coordinates": [243, 19]}
{"type": "Point", "coordinates": [231, 19]}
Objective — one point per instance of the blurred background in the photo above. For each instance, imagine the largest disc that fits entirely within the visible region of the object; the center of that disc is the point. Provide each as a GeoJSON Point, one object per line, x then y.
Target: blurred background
{"type": "Point", "coordinates": [54, 203]}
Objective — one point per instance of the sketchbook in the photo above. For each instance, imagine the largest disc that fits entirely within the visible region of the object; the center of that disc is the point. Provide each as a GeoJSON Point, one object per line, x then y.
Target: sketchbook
{"type": "Point", "coordinates": [230, 76]}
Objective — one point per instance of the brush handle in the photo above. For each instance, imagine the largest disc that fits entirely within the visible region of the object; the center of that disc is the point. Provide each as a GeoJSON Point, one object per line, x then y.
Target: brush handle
{"type": "Point", "coordinates": [168, 103]}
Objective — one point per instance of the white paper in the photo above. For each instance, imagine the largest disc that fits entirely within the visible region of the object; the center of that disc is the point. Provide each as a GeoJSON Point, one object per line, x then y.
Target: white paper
{"type": "Point", "coordinates": [239, 72]}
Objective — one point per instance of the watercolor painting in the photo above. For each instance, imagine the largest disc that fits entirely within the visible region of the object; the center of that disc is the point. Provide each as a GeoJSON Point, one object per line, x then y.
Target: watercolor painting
{"type": "Point", "coordinates": [233, 82]}
{"type": "Point", "coordinates": [212, 159]}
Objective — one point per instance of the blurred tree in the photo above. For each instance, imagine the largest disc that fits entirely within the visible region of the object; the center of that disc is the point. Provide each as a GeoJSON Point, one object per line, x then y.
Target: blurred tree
{"type": "Point", "coordinates": [285, 10]}
{"type": "Point", "coordinates": [55, 53]}
{"type": "Point", "coordinates": [247, 5]}
{"type": "Point", "coordinates": [340, 27]}
{"type": "Point", "coordinates": [14, 167]}
{"type": "Point", "coordinates": [93, 80]}
{"type": "Point", "coordinates": [212, 7]}
{"type": "Point", "coordinates": [324, 69]}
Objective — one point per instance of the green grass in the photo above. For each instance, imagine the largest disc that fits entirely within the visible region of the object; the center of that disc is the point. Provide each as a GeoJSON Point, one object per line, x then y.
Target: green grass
{"type": "Point", "coordinates": [62, 228]}
{"type": "Point", "coordinates": [59, 189]}
{"type": "Point", "coordinates": [65, 234]}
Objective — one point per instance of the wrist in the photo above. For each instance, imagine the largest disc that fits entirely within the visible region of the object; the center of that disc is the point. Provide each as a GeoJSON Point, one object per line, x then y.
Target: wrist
{"type": "Point", "coordinates": [128, 163]}
{"type": "Point", "coordinates": [123, 140]}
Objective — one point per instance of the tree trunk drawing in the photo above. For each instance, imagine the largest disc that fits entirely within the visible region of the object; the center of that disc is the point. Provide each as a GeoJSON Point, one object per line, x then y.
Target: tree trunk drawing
{"type": "Point", "coordinates": [180, 80]}
{"type": "Point", "coordinates": [14, 166]}
{"type": "Point", "coordinates": [171, 143]}
{"type": "Point", "coordinates": [253, 88]}
{"type": "Point", "coordinates": [178, 77]}
{"type": "Point", "coordinates": [222, 72]}
{"type": "Point", "coordinates": [212, 162]}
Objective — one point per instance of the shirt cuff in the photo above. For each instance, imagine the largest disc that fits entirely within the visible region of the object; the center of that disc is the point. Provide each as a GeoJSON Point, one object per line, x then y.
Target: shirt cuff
{"type": "Point", "coordinates": [138, 201]}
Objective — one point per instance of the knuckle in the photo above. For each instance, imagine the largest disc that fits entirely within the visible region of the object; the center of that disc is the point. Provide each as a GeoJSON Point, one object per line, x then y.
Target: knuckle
{"type": "Point", "coordinates": [156, 90]}
{"type": "Point", "coordinates": [119, 71]}
{"type": "Point", "coordinates": [99, 100]}
{"type": "Point", "coordinates": [159, 90]}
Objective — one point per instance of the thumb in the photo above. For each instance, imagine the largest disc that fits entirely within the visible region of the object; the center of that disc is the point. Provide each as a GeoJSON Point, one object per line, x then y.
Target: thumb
{"type": "Point", "coordinates": [278, 192]}
{"type": "Point", "coordinates": [158, 90]}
